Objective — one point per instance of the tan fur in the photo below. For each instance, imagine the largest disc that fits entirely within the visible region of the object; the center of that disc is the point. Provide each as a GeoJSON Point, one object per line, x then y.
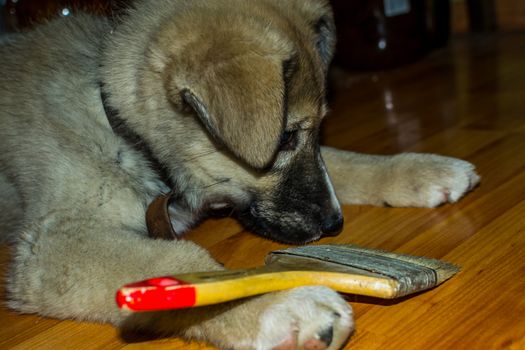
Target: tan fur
{"type": "Point", "coordinates": [210, 88]}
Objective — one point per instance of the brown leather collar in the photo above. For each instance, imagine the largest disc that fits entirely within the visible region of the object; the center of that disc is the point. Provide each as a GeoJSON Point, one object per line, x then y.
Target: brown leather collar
{"type": "Point", "coordinates": [158, 218]}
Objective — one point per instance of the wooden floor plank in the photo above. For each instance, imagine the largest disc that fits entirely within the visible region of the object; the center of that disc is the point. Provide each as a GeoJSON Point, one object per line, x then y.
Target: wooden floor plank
{"type": "Point", "coordinates": [16, 329]}
{"type": "Point", "coordinates": [456, 314]}
{"type": "Point", "coordinates": [486, 291]}
{"type": "Point", "coordinates": [71, 335]}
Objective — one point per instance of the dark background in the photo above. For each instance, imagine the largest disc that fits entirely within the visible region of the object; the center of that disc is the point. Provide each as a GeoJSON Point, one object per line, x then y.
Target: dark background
{"type": "Point", "coordinates": [367, 38]}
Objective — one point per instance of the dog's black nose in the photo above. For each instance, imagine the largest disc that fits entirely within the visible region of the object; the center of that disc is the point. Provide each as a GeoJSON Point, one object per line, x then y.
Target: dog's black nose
{"type": "Point", "coordinates": [332, 225]}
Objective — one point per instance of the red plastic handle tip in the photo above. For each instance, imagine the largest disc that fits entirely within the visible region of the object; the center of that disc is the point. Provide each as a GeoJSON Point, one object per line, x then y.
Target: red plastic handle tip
{"type": "Point", "coordinates": [162, 293]}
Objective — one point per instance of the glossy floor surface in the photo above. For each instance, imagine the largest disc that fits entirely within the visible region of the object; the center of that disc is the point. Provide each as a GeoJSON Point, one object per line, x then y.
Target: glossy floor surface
{"type": "Point", "coordinates": [466, 101]}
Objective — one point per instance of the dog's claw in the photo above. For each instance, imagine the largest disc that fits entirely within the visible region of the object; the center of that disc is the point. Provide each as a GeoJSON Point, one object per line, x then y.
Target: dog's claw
{"type": "Point", "coordinates": [327, 336]}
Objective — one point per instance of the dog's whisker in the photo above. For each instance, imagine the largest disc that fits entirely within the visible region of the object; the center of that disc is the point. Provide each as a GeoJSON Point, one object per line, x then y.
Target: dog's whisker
{"type": "Point", "coordinates": [218, 182]}
{"type": "Point", "coordinates": [201, 155]}
{"type": "Point", "coordinates": [230, 214]}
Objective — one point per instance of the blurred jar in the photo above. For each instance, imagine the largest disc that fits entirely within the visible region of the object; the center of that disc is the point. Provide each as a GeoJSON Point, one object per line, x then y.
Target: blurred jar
{"type": "Point", "coordinates": [24, 14]}
{"type": "Point", "coordinates": [379, 34]}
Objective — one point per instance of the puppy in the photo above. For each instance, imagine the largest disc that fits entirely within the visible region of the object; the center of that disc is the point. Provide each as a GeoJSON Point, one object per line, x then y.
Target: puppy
{"type": "Point", "coordinates": [220, 101]}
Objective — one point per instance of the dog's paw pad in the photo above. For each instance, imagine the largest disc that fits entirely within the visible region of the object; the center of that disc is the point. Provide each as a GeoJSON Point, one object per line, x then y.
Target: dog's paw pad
{"type": "Point", "coordinates": [315, 344]}
{"type": "Point", "coordinates": [426, 180]}
{"type": "Point", "coordinates": [289, 344]}
{"type": "Point", "coordinates": [320, 341]}
{"type": "Point", "coordinates": [309, 318]}
{"type": "Point", "coordinates": [448, 183]}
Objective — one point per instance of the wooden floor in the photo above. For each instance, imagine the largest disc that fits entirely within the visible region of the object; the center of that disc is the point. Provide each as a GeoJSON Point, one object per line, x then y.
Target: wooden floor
{"type": "Point", "coordinates": [466, 101]}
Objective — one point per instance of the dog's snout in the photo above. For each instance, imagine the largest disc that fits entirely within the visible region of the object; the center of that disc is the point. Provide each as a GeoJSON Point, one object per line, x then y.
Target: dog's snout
{"type": "Point", "coordinates": [332, 225]}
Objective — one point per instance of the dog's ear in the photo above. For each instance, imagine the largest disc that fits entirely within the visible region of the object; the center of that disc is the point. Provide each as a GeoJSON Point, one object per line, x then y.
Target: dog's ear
{"type": "Point", "coordinates": [326, 37]}
{"type": "Point", "coordinates": [241, 102]}
{"type": "Point", "coordinates": [320, 16]}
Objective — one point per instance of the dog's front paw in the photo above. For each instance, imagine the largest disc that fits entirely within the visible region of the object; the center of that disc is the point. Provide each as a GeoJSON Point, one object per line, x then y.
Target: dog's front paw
{"type": "Point", "coordinates": [427, 180]}
{"type": "Point", "coordinates": [305, 318]}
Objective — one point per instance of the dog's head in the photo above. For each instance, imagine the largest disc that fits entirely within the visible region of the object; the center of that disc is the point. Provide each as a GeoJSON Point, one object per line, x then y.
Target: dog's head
{"type": "Point", "coordinates": [230, 98]}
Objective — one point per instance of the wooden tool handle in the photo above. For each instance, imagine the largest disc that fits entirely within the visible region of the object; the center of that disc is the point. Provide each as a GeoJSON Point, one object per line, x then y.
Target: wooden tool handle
{"type": "Point", "coordinates": [198, 289]}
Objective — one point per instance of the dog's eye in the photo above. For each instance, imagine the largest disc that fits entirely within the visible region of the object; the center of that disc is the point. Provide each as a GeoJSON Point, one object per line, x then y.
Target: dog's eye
{"type": "Point", "coordinates": [288, 141]}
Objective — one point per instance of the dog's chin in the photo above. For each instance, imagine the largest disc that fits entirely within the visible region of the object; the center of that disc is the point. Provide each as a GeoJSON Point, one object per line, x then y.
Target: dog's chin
{"type": "Point", "coordinates": [275, 232]}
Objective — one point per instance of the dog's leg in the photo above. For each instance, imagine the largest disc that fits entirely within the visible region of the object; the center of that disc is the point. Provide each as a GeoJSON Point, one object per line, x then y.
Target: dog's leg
{"type": "Point", "coordinates": [10, 210]}
{"type": "Point", "coordinates": [403, 180]}
{"type": "Point", "coordinates": [71, 268]}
